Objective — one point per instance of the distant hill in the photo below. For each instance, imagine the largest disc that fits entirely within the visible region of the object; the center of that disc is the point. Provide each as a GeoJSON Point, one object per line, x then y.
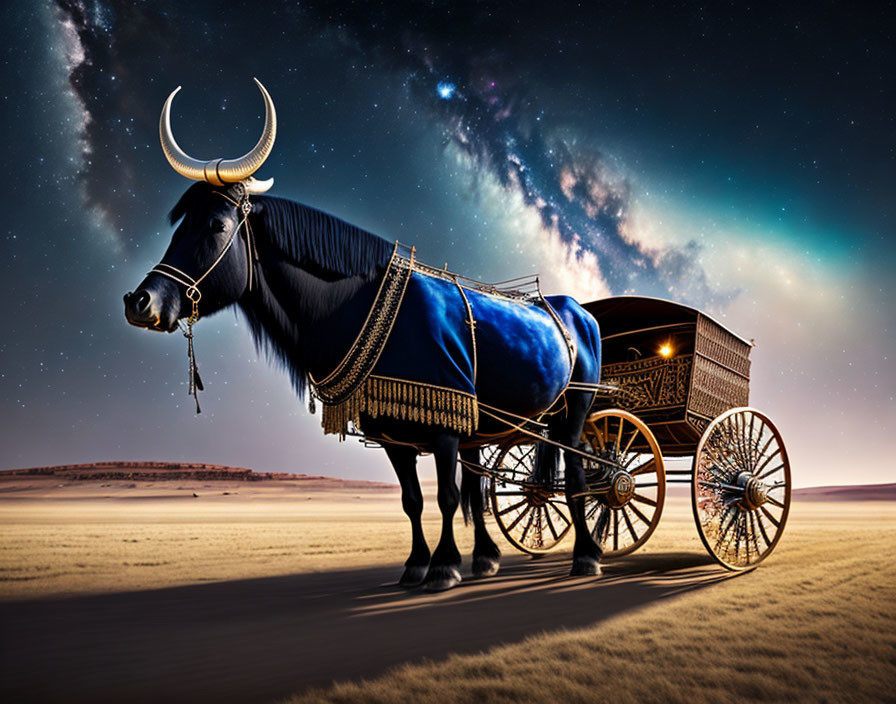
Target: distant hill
{"type": "Point", "coordinates": [862, 492]}
{"type": "Point", "coordinates": [161, 471]}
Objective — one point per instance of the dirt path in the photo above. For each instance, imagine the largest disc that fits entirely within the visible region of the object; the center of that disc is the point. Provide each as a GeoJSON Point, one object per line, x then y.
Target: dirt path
{"type": "Point", "coordinates": [263, 639]}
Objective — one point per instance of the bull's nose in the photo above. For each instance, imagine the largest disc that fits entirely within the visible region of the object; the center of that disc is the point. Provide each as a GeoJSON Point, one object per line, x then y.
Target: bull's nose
{"type": "Point", "coordinates": [139, 309]}
{"type": "Point", "coordinates": [140, 302]}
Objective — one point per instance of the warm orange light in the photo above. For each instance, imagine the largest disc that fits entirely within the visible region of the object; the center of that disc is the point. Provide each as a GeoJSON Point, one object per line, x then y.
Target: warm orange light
{"type": "Point", "coordinates": [666, 351]}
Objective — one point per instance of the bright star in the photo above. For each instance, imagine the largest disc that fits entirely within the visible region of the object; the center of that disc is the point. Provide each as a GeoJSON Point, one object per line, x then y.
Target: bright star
{"type": "Point", "coordinates": [446, 89]}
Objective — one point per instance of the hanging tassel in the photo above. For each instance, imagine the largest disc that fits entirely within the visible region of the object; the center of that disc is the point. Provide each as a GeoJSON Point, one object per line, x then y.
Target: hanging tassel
{"type": "Point", "coordinates": [195, 381]}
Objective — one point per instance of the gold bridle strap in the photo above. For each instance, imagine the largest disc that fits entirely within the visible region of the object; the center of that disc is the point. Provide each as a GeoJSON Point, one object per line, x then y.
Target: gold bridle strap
{"type": "Point", "coordinates": [191, 284]}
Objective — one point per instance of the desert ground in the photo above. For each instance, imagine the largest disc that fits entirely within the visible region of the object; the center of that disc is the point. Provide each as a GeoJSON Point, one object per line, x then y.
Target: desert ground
{"type": "Point", "coordinates": [284, 591]}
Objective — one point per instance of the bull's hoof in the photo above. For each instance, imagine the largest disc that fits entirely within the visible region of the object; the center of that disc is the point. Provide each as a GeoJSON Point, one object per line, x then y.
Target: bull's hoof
{"type": "Point", "coordinates": [485, 566]}
{"type": "Point", "coordinates": [413, 576]}
{"type": "Point", "coordinates": [585, 566]}
{"type": "Point", "coordinates": [440, 579]}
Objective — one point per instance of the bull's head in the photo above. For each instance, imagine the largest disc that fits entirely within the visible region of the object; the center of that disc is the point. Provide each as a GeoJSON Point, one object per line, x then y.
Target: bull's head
{"type": "Point", "coordinates": [201, 264]}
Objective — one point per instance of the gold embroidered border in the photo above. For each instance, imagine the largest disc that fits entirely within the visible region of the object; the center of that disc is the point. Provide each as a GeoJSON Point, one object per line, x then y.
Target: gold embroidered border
{"type": "Point", "coordinates": [404, 400]}
{"type": "Point", "coordinates": [339, 386]}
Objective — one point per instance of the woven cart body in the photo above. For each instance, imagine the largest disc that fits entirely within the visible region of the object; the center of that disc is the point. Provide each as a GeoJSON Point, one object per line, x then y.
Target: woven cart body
{"type": "Point", "coordinates": [705, 373]}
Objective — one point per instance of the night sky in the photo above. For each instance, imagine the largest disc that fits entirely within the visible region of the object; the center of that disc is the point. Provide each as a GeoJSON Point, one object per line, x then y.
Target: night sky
{"type": "Point", "coordinates": [737, 158]}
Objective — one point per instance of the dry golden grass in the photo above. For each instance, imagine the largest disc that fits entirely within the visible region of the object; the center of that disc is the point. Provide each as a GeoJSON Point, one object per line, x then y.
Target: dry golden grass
{"type": "Point", "coordinates": [816, 622]}
{"type": "Point", "coordinates": [84, 538]}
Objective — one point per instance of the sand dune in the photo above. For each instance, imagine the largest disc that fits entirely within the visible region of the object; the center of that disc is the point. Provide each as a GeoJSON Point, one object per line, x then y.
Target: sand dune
{"type": "Point", "coordinates": [861, 492]}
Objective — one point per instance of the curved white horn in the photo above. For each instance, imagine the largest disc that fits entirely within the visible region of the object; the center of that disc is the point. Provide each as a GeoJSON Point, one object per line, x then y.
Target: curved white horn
{"type": "Point", "coordinates": [180, 162]}
{"type": "Point", "coordinates": [219, 171]}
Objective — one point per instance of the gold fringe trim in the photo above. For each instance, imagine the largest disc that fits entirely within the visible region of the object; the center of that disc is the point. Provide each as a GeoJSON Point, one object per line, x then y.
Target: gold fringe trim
{"type": "Point", "coordinates": [404, 400]}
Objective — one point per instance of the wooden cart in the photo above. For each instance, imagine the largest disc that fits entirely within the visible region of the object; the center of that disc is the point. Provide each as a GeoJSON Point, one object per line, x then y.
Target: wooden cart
{"type": "Point", "coordinates": [675, 383]}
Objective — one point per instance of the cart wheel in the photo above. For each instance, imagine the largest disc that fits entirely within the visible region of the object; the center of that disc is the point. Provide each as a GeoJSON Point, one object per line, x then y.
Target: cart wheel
{"type": "Point", "coordinates": [625, 497]}
{"type": "Point", "coordinates": [532, 518]}
{"type": "Point", "coordinates": [741, 488]}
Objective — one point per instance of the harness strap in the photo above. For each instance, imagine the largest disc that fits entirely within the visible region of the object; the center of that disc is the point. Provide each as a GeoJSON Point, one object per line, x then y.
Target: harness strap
{"type": "Point", "coordinates": [471, 321]}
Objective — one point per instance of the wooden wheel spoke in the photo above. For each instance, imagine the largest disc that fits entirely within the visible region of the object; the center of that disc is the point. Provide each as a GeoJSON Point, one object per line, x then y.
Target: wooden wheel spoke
{"type": "Point", "coordinates": [734, 438]}
{"type": "Point", "coordinates": [520, 516]}
{"type": "Point", "coordinates": [618, 442]}
{"type": "Point", "coordinates": [774, 502]}
{"type": "Point", "coordinates": [524, 455]}
{"type": "Point", "coordinates": [738, 535]}
{"type": "Point", "coordinates": [775, 522]}
{"type": "Point", "coordinates": [628, 523]}
{"type": "Point", "coordinates": [630, 440]}
{"type": "Point", "coordinates": [525, 532]}
{"type": "Point", "coordinates": [592, 509]}
{"type": "Point", "coordinates": [739, 532]}
{"type": "Point", "coordinates": [761, 453]}
{"type": "Point", "coordinates": [727, 528]}
{"type": "Point", "coordinates": [716, 455]}
{"type": "Point", "coordinates": [770, 471]}
{"type": "Point", "coordinates": [547, 517]}
{"type": "Point", "coordinates": [762, 528]}
{"type": "Point", "coordinates": [615, 530]}
{"type": "Point", "coordinates": [751, 447]}
{"type": "Point", "coordinates": [644, 468]}
{"type": "Point", "coordinates": [753, 532]}
{"type": "Point", "coordinates": [560, 513]}
{"type": "Point", "coordinates": [723, 462]}
{"type": "Point", "coordinates": [767, 460]}
{"type": "Point", "coordinates": [643, 499]}
{"type": "Point", "coordinates": [511, 508]}
{"type": "Point", "coordinates": [744, 442]}
{"type": "Point", "coordinates": [638, 513]}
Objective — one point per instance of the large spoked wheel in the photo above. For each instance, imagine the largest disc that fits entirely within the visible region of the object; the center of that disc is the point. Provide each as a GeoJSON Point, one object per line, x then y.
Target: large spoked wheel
{"type": "Point", "coordinates": [627, 489]}
{"type": "Point", "coordinates": [741, 488]}
{"type": "Point", "coordinates": [534, 519]}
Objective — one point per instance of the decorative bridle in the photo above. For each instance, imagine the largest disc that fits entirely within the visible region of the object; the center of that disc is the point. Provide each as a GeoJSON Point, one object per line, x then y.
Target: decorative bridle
{"type": "Point", "coordinates": [192, 292]}
{"type": "Point", "coordinates": [217, 172]}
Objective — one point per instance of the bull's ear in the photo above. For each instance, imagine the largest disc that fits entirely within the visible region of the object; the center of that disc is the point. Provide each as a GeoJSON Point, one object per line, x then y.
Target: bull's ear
{"type": "Point", "coordinates": [188, 200]}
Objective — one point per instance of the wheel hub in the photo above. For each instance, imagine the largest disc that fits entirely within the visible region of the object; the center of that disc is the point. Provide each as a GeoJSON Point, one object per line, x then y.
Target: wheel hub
{"type": "Point", "coordinates": [536, 496]}
{"type": "Point", "coordinates": [755, 490]}
{"type": "Point", "coordinates": [622, 488]}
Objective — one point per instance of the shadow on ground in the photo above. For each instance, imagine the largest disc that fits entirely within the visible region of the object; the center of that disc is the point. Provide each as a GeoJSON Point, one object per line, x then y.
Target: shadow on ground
{"type": "Point", "coordinates": [262, 639]}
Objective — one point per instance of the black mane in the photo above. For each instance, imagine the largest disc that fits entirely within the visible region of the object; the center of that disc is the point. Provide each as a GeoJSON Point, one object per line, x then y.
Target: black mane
{"type": "Point", "coordinates": [306, 236]}
{"type": "Point", "coordinates": [316, 240]}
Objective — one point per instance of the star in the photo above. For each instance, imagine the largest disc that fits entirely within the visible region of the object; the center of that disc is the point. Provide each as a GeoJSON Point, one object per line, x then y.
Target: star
{"type": "Point", "coordinates": [446, 90]}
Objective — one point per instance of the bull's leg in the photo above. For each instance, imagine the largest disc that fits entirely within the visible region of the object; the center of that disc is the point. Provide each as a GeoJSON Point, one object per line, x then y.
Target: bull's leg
{"type": "Point", "coordinates": [486, 555]}
{"type": "Point", "coordinates": [404, 460]}
{"type": "Point", "coordinates": [586, 552]}
{"type": "Point", "coordinates": [444, 568]}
